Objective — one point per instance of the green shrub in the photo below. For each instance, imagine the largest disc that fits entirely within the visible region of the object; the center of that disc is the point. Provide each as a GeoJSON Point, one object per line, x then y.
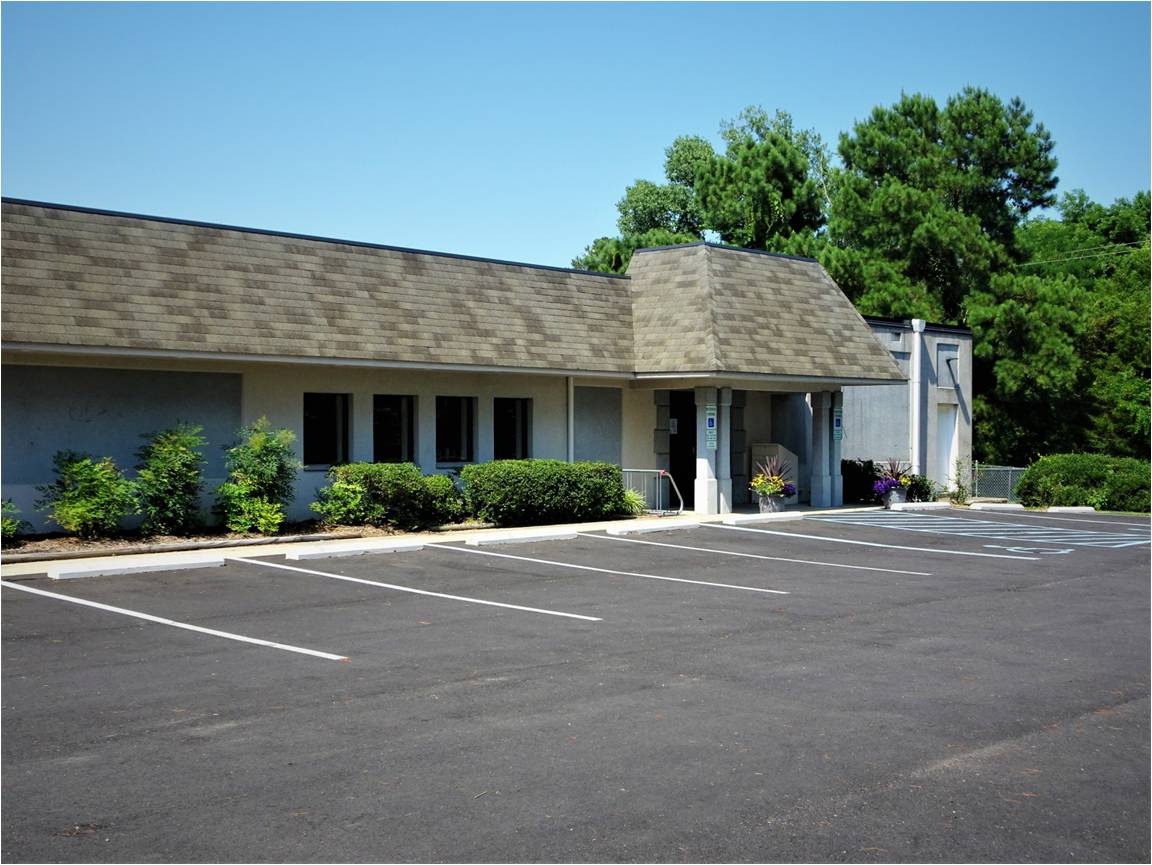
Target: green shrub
{"type": "Point", "coordinates": [170, 479]}
{"type": "Point", "coordinates": [634, 502]}
{"type": "Point", "coordinates": [243, 512]}
{"type": "Point", "coordinates": [859, 475]}
{"type": "Point", "coordinates": [921, 489]}
{"type": "Point", "coordinates": [88, 497]}
{"type": "Point", "coordinates": [387, 494]}
{"type": "Point", "coordinates": [10, 522]}
{"type": "Point", "coordinates": [445, 501]}
{"type": "Point", "coordinates": [1104, 482]}
{"type": "Point", "coordinates": [526, 492]}
{"type": "Point", "coordinates": [262, 471]}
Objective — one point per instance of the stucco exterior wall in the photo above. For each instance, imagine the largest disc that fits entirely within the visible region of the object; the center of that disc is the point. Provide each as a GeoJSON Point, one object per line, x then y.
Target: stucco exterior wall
{"type": "Point", "coordinates": [50, 403]}
{"type": "Point", "coordinates": [598, 424]}
{"type": "Point", "coordinates": [877, 420]}
{"type": "Point", "coordinates": [277, 393]}
{"type": "Point", "coordinates": [639, 425]}
{"type": "Point", "coordinates": [104, 412]}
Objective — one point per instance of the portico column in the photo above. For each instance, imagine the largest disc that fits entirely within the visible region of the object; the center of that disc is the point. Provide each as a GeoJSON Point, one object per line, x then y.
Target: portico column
{"type": "Point", "coordinates": [821, 491]}
{"type": "Point", "coordinates": [724, 450]}
{"type": "Point", "coordinates": [706, 485]}
{"type": "Point", "coordinates": [834, 457]}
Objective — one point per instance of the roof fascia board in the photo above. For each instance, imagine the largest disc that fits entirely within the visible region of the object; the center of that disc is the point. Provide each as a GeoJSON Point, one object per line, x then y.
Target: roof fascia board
{"type": "Point", "coordinates": [652, 379]}
{"type": "Point", "coordinates": [906, 325]}
{"type": "Point", "coordinates": [101, 351]}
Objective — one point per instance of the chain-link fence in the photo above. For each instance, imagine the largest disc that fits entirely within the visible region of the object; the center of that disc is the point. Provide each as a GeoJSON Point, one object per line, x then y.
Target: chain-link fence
{"type": "Point", "coordinates": [995, 482]}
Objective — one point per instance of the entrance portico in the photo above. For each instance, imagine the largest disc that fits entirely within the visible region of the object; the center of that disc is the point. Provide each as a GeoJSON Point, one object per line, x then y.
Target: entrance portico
{"type": "Point", "coordinates": [708, 438]}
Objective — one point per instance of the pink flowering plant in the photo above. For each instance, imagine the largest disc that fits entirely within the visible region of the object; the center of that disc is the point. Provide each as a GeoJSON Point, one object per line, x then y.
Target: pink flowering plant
{"type": "Point", "coordinates": [771, 479]}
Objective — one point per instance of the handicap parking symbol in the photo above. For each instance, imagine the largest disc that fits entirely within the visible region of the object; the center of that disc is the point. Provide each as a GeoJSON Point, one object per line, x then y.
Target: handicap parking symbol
{"type": "Point", "coordinates": [1030, 550]}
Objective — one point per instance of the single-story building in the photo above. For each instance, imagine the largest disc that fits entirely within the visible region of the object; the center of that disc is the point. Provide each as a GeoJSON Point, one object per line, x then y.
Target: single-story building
{"type": "Point", "coordinates": [699, 360]}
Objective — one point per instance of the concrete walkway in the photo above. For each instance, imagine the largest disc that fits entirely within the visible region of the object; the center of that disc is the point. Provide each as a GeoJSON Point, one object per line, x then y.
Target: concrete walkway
{"type": "Point", "coordinates": [213, 555]}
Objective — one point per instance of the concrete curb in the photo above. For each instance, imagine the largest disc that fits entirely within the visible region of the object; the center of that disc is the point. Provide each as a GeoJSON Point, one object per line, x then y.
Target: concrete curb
{"type": "Point", "coordinates": [1072, 509]}
{"type": "Point", "coordinates": [77, 572]}
{"type": "Point", "coordinates": [520, 538]}
{"type": "Point", "coordinates": [190, 547]}
{"type": "Point", "coordinates": [921, 506]}
{"type": "Point", "coordinates": [741, 519]}
{"type": "Point", "coordinates": [334, 551]}
{"type": "Point", "coordinates": [988, 506]}
{"type": "Point", "coordinates": [641, 529]}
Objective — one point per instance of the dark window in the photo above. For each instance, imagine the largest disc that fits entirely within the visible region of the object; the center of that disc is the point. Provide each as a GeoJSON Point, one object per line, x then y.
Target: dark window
{"type": "Point", "coordinates": [455, 429]}
{"type": "Point", "coordinates": [511, 428]}
{"type": "Point", "coordinates": [393, 429]}
{"type": "Point", "coordinates": [325, 429]}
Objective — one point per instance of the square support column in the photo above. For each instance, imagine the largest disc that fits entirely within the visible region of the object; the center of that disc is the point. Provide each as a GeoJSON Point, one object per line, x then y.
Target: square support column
{"type": "Point", "coordinates": [834, 455]}
{"type": "Point", "coordinates": [706, 486]}
{"type": "Point", "coordinates": [724, 450]}
{"type": "Point", "coordinates": [821, 489]}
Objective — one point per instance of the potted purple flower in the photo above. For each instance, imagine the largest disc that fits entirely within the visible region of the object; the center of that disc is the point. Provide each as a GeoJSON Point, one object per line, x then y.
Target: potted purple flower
{"type": "Point", "coordinates": [892, 485]}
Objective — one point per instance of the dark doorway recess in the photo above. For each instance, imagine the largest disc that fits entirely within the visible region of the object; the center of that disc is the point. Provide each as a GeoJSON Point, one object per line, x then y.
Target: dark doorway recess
{"type": "Point", "coordinates": [682, 443]}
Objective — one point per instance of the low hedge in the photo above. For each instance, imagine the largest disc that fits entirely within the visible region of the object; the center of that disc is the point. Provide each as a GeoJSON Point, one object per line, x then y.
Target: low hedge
{"type": "Point", "coordinates": [530, 492]}
{"type": "Point", "coordinates": [387, 494]}
{"type": "Point", "coordinates": [1104, 482]}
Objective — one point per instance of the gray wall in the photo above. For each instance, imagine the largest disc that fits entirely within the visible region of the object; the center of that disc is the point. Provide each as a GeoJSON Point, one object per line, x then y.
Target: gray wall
{"type": "Point", "coordinates": [876, 419]}
{"type": "Point", "coordinates": [598, 424]}
{"type": "Point", "coordinates": [104, 412]}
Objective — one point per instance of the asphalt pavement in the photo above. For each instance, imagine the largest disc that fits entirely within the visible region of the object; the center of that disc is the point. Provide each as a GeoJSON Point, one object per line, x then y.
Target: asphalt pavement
{"type": "Point", "coordinates": [816, 690]}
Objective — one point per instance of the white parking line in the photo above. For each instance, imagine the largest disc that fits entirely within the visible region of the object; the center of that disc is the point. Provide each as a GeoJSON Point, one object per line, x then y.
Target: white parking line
{"type": "Point", "coordinates": [174, 624]}
{"type": "Point", "coordinates": [985, 528]}
{"type": "Point", "coordinates": [1036, 516]}
{"type": "Point", "coordinates": [868, 543]}
{"type": "Point", "coordinates": [755, 555]}
{"type": "Point", "coordinates": [608, 570]}
{"type": "Point", "coordinates": [418, 591]}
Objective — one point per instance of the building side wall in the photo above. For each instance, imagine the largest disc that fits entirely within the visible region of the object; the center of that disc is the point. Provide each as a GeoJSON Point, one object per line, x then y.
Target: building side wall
{"type": "Point", "coordinates": [876, 423]}
{"type": "Point", "coordinates": [278, 393]}
{"type": "Point", "coordinates": [104, 412]}
{"type": "Point", "coordinates": [597, 424]}
{"type": "Point", "coordinates": [50, 404]}
{"type": "Point", "coordinates": [640, 424]}
{"type": "Point", "coordinates": [877, 419]}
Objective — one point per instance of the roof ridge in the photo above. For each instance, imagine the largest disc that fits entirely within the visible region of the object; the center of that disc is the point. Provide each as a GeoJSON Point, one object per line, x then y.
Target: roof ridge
{"type": "Point", "coordinates": [267, 232]}
{"type": "Point", "coordinates": [714, 353]}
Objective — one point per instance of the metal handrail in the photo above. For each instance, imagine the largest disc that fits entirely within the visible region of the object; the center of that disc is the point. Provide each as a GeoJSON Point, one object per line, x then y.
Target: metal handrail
{"type": "Point", "coordinates": [658, 498]}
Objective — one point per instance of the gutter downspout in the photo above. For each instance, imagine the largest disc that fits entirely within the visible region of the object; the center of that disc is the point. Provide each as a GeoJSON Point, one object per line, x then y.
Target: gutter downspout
{"type": "Point", "coordinates": [570, 389]}
{"type": "Point", "coordinates": [916, 394]}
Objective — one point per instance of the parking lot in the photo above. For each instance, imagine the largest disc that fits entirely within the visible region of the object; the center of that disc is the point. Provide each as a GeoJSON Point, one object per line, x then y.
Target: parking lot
{"type": "Point", "coordinates": [870, 686]}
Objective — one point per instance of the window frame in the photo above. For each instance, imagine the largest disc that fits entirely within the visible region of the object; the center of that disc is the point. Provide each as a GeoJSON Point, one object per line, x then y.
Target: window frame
{"type": "Point", "coordinates": [523, 427]}
{"type": "Point", "coordinates": [343, 431]}
{"type": "Point", "coordinates": [948, 358]}
{"type": "Point", "coordinates": [467, 432]}
{"type": "Point", "coordinates": [409, 411]}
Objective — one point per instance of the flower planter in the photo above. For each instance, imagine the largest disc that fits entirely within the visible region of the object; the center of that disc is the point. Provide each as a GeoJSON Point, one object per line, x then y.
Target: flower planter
{"type": "Point", "coordinates": [897, 496]}
{"type": "Point", "coordinates": [771, 504]}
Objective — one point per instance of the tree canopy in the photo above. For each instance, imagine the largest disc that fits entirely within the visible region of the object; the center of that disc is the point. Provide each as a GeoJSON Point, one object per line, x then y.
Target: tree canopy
{"type": "Point", "coordinates": [934, 212]}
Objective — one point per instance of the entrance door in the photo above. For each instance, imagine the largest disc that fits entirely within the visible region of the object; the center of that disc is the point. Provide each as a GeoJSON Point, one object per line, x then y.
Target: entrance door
{"type": "Point", "coordinates": [682, 443]}
{"type": "Point", "coordinates": [946, 445]}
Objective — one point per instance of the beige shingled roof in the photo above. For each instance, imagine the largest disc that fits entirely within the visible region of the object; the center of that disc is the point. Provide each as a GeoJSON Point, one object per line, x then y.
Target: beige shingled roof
{"type": "Point", "coordinates": [73, 277]}
{"type": "Point", "coordinates": [760, 313]}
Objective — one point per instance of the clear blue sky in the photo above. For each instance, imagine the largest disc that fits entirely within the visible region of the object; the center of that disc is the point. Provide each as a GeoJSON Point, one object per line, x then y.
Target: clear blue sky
{"type": "Point", "coordinates": [510, 131]}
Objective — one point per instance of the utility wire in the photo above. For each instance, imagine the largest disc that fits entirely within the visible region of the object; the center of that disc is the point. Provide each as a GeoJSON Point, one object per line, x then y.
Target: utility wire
{"type": "Point", "coordinates": [1102, 246]}
{"type": "Point", "coordinates": [1113, 254]}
